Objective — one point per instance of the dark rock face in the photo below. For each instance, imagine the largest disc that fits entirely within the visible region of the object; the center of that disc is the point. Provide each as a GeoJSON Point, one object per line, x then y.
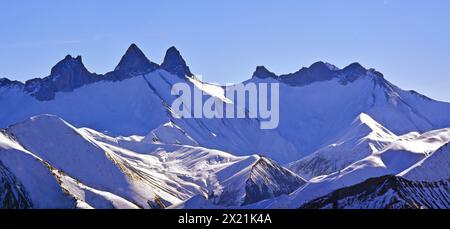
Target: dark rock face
{"type": "Point", "coordinates": [66, 75]}
{"type": "Point", "coordinates": [175, 64]}
{"type": "Point", "coordinates": [70, 73]}
{"type": "Point", "coordinates": [12, 194]}
{"type": "Point", "coordinates": [4, 82]}
{"type": "Point", "coordinates": [135, 61]}
{"type": "Point", "coordinates": [268, 180]}
{"type": "Point", "coordinates": [321, 71]}
{"type": "Point", "coordinates": [388, 192]}
{"type": "Point", "coordinates": [262, 73]}
{"type": "Point", "coordinates": [352, 72]}
{"type": "Point", "coordinates": [318, 71]}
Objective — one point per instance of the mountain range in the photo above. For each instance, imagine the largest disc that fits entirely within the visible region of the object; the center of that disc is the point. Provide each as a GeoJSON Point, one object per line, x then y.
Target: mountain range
{"type": "Point", "coordinates": [347, 138]}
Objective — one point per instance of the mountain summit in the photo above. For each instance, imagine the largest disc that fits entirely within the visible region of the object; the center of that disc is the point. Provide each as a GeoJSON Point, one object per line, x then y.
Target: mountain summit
{"type": "Point", "coordinates": [262, 73]}
{"type": "Point", "coordinates": [174, 63]}
{"type": "Point", "coordinates": [135, 60]}
{"type": "Point", "coordinates": [69, 64]}
{"type": "Point", "coordinates": [66, 75]}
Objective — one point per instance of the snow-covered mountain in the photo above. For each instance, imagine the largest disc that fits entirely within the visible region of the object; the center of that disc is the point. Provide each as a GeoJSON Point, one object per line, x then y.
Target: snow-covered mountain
{"type": "Point", "coordinates": [403, 157]}
{"type": "Point", "coordinates": [142, 107]}
{"type": "Point", "coordinates": [363, 137]}
{"type": "Point", "coordinates": [77, 139]}
{"type": "Point", "coordinates": [319, 103]}
{"type": "Point", "coordinates": [261, 179]}
{"type": "Point", "coordinates": [90, 169]}
{"type": "Point", "coordinates": [387, 192]}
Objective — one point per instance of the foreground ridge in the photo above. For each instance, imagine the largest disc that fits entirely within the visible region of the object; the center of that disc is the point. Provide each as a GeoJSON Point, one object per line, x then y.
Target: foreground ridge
{"type": "Point", "coordinates": [387, 192]}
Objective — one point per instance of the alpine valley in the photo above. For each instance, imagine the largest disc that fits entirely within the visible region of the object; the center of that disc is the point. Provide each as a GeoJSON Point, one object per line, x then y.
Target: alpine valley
{"type": "Point", "coordinates": [347, 138]}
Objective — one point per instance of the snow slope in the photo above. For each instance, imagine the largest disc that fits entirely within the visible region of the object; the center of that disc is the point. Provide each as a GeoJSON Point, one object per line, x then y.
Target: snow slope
{"type": "Point", "coordinates": [33, 175]}
{"type": "Point", "coordinates": [196, 202]}
{"type": "Point", "coordinates": [391, 160]}
{"type": "Point", "coordinates": [363, 137]}
{"type": "Point", "coordinates": [94, 170]}
{"type": "Point", "coordinates": [92, 164]}
{"type": "Point", "coordinates": [230, 180]}
{"type": "Point", "coordinates": [76, 139]}
{"type": "Point", "coordinates": [434, 167]}
{"type": "Point", "coordinates": [143, 107]}
{"type": "Point", "coordinates": [319, 103]}
{"type": "Point", "coordinates": [394, 159]}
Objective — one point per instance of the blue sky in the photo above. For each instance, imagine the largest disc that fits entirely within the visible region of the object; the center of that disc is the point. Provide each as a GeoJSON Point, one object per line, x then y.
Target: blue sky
{"type": "Point", "coordinates": [409, 41]}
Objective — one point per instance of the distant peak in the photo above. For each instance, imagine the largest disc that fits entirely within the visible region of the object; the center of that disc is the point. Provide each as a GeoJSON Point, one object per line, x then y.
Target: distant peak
{"type": "Point", "coordinates": [331, 66]}
{"type": "Point", "coordinates": [357, 67]}
{"type": "Point", "coordinates": [319, 71]}
{"type": "Point", "coordinates": [174, 63]}
{"type": "Point", "coordinates": [66, 75]}
{"type": "Point", "coordinates": [135, 51]}
{"type": "Point", "coordinates": [6, 82]}
{"type": "Point", "coordinates": [133, 46]}
{"type": "Point", "coordinates": [318, 64]}
{"type": "Point", "coordinates": [173, 49]}
{"type": "Point", "coordinates": [323, 65]}
{"type": "Point", "coordinates": [70, 58]}
{"type": "Point", "coordinates": [69, 63]}
{"type": "Point", "coordinates": [135, 60]}
{"type": "Point", "coordinates": [262, 73]}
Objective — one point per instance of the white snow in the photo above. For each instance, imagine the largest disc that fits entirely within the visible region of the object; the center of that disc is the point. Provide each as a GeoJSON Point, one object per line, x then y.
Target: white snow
{"type": "Point", "coordinates": [434, 167]}
{"type": "Point", "coordinates": [118, 145]}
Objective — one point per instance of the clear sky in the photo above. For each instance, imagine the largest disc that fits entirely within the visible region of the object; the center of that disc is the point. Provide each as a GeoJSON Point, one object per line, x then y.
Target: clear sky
{"type": "Point", "coordinates": [407, 40]}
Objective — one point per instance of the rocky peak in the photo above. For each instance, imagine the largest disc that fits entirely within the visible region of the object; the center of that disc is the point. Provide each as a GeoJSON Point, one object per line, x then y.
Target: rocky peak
{"type": "Point", "coordinates": [135, 61]}
{"type": "Point", "coordinates": [262, 73]}
{"type": "Point", "coordinates": [174, 63]}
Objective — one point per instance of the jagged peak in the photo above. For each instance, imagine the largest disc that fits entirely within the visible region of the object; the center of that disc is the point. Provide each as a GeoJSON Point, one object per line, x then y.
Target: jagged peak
{"type": "Point", "coordinates": [262, 72]}
{"type": "Point", "coordinates": [134, 47]}
{"type": "Point", "coordinates": [318, 71]}
{"type": "Point", "coordinates": [66, 75]}
{"type": "Point", "coordinates": [135, 60]}
{"type": "Point", "coordinates": [318, 67]}
{"type": "Point", "coordinates": [174, 63]}
{"type": "Point", "coordinates": [266, 162]}
{"type": "Point", "coordinates": [69, 63]}
{"type": "Point", "coordinates": [173, 49]}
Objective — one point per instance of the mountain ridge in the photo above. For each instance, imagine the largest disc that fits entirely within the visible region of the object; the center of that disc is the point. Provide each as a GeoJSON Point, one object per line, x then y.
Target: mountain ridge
{"type": "Point", "coordinates": [70, 73]}
{"type": "Point", "coordinates": [74, 128]}
{"type": "Point", "coordinates": [386, 192]}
